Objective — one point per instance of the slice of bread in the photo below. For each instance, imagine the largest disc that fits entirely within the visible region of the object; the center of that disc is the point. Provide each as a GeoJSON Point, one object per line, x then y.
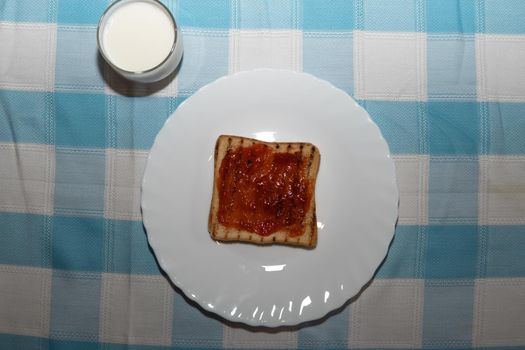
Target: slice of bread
{"type": "Point", "coordinates": [308, 153]}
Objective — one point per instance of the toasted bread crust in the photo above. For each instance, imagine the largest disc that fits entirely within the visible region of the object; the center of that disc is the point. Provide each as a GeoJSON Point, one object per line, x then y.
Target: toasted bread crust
{"type": "Point", "coordinates": [221, 233]}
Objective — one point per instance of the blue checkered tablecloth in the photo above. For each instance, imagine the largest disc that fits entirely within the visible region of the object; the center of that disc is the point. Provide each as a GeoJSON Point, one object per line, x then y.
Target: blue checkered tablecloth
{"type": "Point", "coordinates": [443, 79]}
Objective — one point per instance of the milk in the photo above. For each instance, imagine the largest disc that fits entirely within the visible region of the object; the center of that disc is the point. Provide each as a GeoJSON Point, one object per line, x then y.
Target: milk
{"type": "Point", "coordinates": [138, 36]}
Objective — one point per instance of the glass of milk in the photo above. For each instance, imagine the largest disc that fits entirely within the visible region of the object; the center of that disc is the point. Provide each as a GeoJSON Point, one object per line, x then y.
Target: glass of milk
{"type": "Point", "coordinates": [139, 39]}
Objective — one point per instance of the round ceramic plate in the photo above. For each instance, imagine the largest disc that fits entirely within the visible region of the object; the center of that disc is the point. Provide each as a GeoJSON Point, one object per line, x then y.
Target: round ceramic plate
{"type": "Point", "coordinates": [356, 199]}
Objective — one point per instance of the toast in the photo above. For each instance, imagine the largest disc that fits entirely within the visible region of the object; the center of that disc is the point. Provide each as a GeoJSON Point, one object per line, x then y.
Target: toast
{"type": "Point", "coordinates": [264, 192]}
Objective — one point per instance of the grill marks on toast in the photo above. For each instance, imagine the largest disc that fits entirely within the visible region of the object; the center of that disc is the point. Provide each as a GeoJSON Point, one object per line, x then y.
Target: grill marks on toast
{"type": "Point", "coordinates": [310, 161]}
{"type": "Point", "coordinates": [288, 150]}
{"type": "Point", "coordinates": [212, 222]}
{"type": "Point", "coordinates": [219, 232]}
{"type": "Point", "coordinates": [235, 172]}
{"type": "Point", "coordinates": [313, 224]}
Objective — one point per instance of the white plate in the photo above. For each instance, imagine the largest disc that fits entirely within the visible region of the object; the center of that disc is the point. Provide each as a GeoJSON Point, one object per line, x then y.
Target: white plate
{"type": "Point", "coordinates": [356, 197]}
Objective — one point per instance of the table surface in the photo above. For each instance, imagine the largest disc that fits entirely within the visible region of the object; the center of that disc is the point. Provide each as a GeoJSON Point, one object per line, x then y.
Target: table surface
{"type": "Point", "coordinates": [444, 80]}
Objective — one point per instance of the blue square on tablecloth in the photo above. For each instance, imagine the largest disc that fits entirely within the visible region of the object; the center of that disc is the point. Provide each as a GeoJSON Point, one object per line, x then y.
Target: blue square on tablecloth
{"type": "Point", "coordinates": [191, 326]}
{"type": "Point", "coordinates": [451, 251]}
{"type": "Point", "coordinates": [329, 56]}
{"type": "Point", "coordinates": [25, 11]}
{"type": "Point", "coordinates": [122, 346]}
{"type": "Point", "coordinates": [332, 333]}
{"type": "Point", "coordinates": [506, 125]}
{"type": "Point", "coordinates": [78, 243]}
{"type": "Point", "coordinates": [207, 54]}
{"type": "Point", "coordinates": [80, 181]}
{"type": "Point", "coordinates": [402, 255]}
{"type": "Point", "coordinates": [60, 344]}
{"type": "Point", "coordinates": [80, 120]}
{"type": "Point", "coordinates": [453, 128]}
{"type": "Point", "coordinates": [23, 117]}
{"type": "Point", "coordinates": [390, 16]}
{"type": "Point", "coordinates": [129, 250]}
{"type": "Point", "coordinates": [452, 301]}
{"type": "Point", "coordinates": [450, 16]}
{"type": "Point", "coordinates": [24, 239]}
{"type": "Point", "coordinates": [453, 190]}
{"type": "Point", "coordinates": [333, 15]}
{"type": "Point", "coordinates": [504, 16]}
{"type": "Point", "coordinates": [80, 11]}
{"type": "Point", "coordinates": [267, 14]}
{"type": "Point", "coordinates": [75, 306]}
{"type": "Point", "coordinates": [505, 253]}
{"type": "Point", "coordinates": [399, 123]}
{"type": "Point", "coordinates": [79, 67]}
{"type": "Point", "coordinates": [451, 67]}
{"type": "Point", "coordinates": [14, 341]}
{"type": "Point", "coordinates": [204, 14]}
{"type": "Point", "coordinates": [138, 120]}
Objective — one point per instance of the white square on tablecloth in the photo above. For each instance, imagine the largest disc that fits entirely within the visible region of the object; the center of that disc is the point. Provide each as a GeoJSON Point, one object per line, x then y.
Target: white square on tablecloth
{"type": "Point", "coordinates": [502, 190]}
{"type": "Point", "coordinates": [124, 170]}
{"type": "Point", "coordinates": [27, 56]}
{"type": "Point", "coordinates": [388, 314]}
{"type": "Point", "coordinates": [25, 301]}
{"type": "Point", "coordinates": [390, 66]}
{"type": "Point", "coordinates": [412, 182]}
{"type": "Point", "coordinates": [27, 174]}
{"type": "Point", "coordinates": [136, 309]}
{"type": "Point", "coordinates": [500, 61]}
{"type": "Point", "coordinates": [498, 312]}
{"type": "Point", "coordinates": [250, 49]}
{"type": "Point", "coordinates": [238, 338]}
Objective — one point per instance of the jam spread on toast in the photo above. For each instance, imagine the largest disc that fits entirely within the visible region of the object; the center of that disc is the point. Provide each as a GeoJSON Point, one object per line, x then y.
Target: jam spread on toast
{"type": "Point", "coordinates": [264, 191]}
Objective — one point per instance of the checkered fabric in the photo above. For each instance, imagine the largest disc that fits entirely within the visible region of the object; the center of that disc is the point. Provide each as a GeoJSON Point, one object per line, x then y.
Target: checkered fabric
{"type": "Point", "coordinates": [443, 79]}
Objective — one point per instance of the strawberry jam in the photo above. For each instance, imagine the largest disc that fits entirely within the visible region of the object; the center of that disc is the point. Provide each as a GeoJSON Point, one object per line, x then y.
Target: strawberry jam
{"type": "Point", "coordinates": [263, 191]}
